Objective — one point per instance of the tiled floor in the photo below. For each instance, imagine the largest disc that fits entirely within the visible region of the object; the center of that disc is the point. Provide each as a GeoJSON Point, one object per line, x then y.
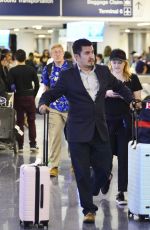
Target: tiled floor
{"type": "Point", "coordinates": [65, 210]}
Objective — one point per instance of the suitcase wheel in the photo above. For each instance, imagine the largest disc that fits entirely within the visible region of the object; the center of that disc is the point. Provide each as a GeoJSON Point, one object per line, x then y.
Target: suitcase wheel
{"type": "Point", "coordinates": [44, 224]}
{"type": "Point", "coordinates": [130, 214]}
{"type": "Point", "coordinates": [143, 217]}
{"type": "Point", "coordinates": [26, 224]}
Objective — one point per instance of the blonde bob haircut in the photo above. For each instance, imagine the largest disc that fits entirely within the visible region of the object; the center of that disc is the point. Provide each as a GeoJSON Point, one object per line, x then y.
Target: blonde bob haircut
{"type": "Point", "coordinates": [126, 70]}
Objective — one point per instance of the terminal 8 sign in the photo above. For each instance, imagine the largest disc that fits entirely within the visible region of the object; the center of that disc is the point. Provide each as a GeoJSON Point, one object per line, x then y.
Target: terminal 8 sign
{"type": "Point", "coordinates": [98, 8]}
{"type": "Point", "coordinates": [30, 7]}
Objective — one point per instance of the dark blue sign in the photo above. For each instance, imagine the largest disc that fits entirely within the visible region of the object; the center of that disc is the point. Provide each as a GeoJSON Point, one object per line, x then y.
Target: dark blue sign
{"type": "Point", "coordinates": [30, 7]}
{"type": "Point", "coordinates": [98, 8]}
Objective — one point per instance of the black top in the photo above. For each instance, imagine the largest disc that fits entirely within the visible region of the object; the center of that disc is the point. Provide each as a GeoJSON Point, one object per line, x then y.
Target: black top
{"type": "Point", "coordinates": [2, 88]}
{"type": "Point", "coordinates": [23, 77]}
{"type": "Point", "coordinates": [4, 76]}
{"type": "Point", "coordinates": [117, 107]}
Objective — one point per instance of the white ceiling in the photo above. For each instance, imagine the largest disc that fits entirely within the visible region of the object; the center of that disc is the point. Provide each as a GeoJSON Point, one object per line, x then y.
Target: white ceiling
{"type": "Point", "coordinates": [26, 23]}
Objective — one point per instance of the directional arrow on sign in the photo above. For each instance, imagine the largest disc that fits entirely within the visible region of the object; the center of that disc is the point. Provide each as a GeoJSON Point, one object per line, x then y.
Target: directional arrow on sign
{"type": "Point", "coordinates": [138, 4]}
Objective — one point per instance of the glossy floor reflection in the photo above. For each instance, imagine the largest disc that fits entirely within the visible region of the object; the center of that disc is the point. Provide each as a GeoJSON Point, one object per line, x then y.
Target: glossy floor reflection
{"type": "Point", "coordinates": [65, 210]}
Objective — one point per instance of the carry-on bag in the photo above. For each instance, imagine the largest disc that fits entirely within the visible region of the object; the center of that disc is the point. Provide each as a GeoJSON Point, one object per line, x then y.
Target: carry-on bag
{"type": "Point", "coordinates": [34, 190]}
{"type": "Point", "coordinates": [138, 171]}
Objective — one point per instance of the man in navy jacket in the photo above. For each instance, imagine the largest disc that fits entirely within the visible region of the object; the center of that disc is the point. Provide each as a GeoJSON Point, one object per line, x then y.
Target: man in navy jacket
{"type": "Point", "coordinates": [85, 86]}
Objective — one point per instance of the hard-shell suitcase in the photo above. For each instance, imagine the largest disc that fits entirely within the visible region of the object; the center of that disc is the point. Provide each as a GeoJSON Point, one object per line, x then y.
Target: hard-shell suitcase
{"type": "Point", "coordinates": [138, 180]}
{"type": "Point", "coordinates": [34, 189]}
{"type": "Point", "coordinates": [138, 175]}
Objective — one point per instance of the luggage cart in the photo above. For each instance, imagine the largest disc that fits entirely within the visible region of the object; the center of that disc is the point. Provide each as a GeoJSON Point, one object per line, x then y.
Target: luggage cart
{"type": "Point", "coordinates": [7, 123]}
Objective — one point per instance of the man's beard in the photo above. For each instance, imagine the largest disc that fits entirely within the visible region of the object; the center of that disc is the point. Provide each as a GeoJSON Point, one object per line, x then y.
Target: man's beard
{"type": "Point", "coordinates": [90, 66]}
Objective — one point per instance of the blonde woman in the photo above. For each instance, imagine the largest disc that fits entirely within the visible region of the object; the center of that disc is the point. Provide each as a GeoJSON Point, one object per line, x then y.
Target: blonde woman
{"type": "Point", "coordinates": [119, 117]}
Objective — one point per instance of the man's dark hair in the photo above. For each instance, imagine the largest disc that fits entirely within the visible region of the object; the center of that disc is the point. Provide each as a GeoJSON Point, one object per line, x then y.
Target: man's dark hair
{"type": "Point", "coordinates": [77, 45]}
{"type": "Point", "coordinates": [4, 52]}
{"type": "Point", "coordinates": [20, 55]}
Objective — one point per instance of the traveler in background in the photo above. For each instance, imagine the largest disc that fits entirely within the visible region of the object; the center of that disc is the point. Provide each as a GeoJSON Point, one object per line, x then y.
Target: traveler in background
{"type": "Point", "coordinates": [142, 67]}
{"type": "Point", "coordinates": [3, 92]}
{"type": "Point", "coordinates": [85, 86]}
{"type": "Point", "coordinates": [135, 58]}
{"type": "Point", "coordinates": [5, 60]}
{"type": "Point", "coordinates": [148, 56]}
{"type": "Point", "coordinates": [68, 56]}
{"type": "Point", "coordinates": [45, 57]}
{"type": "Point", "coordinates": [106, 55]}
{"type": "Point", "coordinates": [21, 78]}
{"type": "Point", "coordinates": [58, 109]}
{"type": "Point", "coordinates": [30, 61]}
{"type": "Point", "coordinates": [119, 118]}
{"type": "Point", "coordinates": [99, 59]}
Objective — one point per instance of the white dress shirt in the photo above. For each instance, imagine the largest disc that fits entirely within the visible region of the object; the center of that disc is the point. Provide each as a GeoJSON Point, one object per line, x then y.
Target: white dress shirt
{"type": "Point", "coordinates": [90, 82]}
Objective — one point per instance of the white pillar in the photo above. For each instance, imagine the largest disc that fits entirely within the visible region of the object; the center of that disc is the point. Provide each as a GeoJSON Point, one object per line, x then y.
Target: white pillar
{"type": "Point", "coordinates": [111, 38]}
{"type": "Point", "coordinates": [47, 43]}
{"type": "Point", "coordinates": [40, 45]}
{"type": "Point", "coordinates": [26, 41]}
{"type": "Point", "coordinates": [55, 37]}
{"type": "Point", "coordinates": [139, 42]}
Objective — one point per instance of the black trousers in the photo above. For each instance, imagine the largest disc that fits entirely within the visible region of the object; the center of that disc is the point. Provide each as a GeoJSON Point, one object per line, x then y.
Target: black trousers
{"type": "Point", "coordinates": [95, 154]}
{"type": "Point", "coordinates": [22, 105]}
{"type": "Point", "coordinates": [120, 134]}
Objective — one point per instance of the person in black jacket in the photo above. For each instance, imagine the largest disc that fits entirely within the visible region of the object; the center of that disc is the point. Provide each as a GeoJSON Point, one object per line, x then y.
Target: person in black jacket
{"type": "Point", "coordinates": [5, 59]}
{"type": "Point", "coordinates": [85, 85]}
{"type": "Point", "coordinates": [21, 79]}
{"type": "Point", "coordinates": [2, 88]}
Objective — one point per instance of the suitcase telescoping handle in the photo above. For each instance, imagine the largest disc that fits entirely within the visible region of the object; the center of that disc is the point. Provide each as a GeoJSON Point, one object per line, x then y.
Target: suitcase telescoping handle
{"type": "Point", "coordinates": [45, 139]}
{"type": "Point", "coordinates": [135, 122]}
{"type": "Point", "coordinates": [134, 127]}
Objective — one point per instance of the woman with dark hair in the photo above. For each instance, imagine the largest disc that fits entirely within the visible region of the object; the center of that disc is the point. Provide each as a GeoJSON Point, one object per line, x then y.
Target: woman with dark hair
{"type": "Point", "coordinates": [44, 58]}
{"type": "Point", "coordinates": [107, 52]}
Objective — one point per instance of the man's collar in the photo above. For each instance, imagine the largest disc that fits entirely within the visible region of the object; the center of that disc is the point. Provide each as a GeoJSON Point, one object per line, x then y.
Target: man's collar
{"type": "Point", "coordinates": [55, 64]}
{"type": "Point", "coordinates": [80, 70]}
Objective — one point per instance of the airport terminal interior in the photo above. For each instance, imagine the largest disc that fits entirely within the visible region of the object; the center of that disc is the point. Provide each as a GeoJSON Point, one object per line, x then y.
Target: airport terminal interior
{"type": "Point", "coordinates": [65, 211]}
{"type": "Point", "coordinates": [34, 34]}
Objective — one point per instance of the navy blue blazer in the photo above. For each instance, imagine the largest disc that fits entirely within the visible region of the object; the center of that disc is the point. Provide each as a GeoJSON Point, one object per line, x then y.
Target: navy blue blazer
{"type": "Point", "coordinates": [84, 113]}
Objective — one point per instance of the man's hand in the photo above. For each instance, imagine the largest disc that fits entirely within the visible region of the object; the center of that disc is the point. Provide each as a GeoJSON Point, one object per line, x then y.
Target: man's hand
{"type": "Point", "coordinates": [43, 109]}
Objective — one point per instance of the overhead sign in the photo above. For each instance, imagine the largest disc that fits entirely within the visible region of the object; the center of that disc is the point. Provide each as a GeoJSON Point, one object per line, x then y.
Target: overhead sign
{"type": "Point", "coordinates": [98, 8]}
{"type": "Point", "coordinates": [30, 7]}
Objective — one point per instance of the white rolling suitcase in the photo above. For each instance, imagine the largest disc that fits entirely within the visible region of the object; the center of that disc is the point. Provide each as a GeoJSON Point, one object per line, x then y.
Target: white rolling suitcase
{"type": "Point", "coordinates": [139, 180]}
{"type": "Point", "coordinates": [138, 176]}
{"type": "Point", "coordinates": [34, 189]}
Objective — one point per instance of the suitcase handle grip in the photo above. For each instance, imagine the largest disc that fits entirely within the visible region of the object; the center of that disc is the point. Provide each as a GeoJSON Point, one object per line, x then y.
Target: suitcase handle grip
{"type": "Point", "coordinates": [42, 196]}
